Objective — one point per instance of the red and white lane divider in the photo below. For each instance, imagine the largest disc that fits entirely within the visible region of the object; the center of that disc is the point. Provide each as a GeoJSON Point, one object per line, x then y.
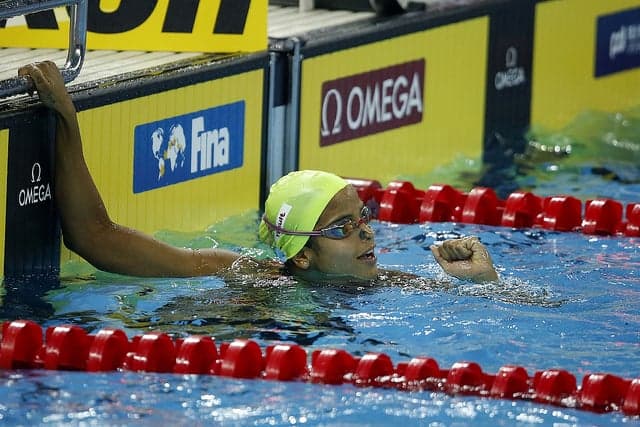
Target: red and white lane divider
{"type": "Point", "coordinates": [71, 348]}
{"type": "Point", "coordinates": [402, 203]}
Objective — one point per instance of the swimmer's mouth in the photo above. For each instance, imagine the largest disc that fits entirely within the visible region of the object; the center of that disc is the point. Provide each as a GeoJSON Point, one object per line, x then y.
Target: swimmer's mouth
{"type": "Point", "coordinates": [367, 256]}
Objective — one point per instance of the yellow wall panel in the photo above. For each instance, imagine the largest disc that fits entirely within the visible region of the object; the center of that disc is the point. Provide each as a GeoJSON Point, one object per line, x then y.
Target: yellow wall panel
{"type": "Point", "coordinates": [4, 161]}
{"type": "Point", "coordinates": [563, 66]}
{"type": "Point", "coordinates": [454, 102]}
{"type": "Point", "coordinates": [131, 25]}
{"type": "Point", "coordinates": [108, 137]}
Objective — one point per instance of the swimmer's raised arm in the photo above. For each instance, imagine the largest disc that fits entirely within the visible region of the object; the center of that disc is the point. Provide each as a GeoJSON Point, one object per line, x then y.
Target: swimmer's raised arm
{"type": "Point", "coordinates": [466, 259]}
{"type": "Point", "coordinates": [86, 226]}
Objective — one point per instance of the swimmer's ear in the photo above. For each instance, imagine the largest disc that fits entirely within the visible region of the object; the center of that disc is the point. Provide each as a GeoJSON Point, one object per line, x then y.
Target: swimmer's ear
{"type": "Point", "coordinates": [302, 259]}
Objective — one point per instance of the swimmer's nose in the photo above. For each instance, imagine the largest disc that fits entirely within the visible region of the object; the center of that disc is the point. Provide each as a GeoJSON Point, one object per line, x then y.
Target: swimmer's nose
{"type": "Point", "coordinates": [366, 232]}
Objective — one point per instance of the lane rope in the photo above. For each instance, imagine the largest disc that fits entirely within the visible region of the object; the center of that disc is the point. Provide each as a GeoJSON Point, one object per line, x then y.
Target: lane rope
{"type": "Point", "coordinates": [401, 202]}
{"type": "Point", "coordinates": [69, 347]}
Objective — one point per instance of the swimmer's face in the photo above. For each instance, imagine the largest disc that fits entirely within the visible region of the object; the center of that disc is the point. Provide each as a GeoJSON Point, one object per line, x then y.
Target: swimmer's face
{"type": "Point", "coordinates": [352, 256]}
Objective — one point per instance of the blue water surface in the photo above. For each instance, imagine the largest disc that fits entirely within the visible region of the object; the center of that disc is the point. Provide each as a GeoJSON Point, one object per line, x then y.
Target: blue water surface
{"type": "Point", "coordinates": [568, 301]}
{"type": "Point", "coordinates": [565, 300]}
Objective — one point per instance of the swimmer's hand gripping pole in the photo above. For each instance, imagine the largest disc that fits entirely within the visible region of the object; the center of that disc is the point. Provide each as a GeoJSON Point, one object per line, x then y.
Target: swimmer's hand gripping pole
{"type": "Point", "coordinates": [77, 38]}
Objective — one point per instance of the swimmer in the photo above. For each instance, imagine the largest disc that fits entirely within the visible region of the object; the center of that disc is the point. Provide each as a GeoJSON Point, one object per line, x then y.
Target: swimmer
{"type": "Point", "coordinates": [315, 218]}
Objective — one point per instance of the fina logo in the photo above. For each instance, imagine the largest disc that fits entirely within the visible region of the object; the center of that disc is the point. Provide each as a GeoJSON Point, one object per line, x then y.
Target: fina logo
{"type": "Point", "coordinates": [171, 151]}
{"type": "Point", "coordinates": [208, 148]}
{"type": "Point", "coordinates": [187, 147]}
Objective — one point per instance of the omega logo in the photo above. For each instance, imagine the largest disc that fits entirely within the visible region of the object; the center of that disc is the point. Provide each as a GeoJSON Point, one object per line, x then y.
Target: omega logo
{"type": "Point", "coordinates": [37, 192]}
{"type": "Point", "coordinates": [513, 75]}
{"type": "Point", "coordinates": [372, 102]}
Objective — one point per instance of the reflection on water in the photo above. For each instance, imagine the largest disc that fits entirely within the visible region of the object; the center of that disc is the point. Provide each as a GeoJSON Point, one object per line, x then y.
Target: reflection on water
{"type": "Point", "coordinates": [23, 298]}
{"type": "Point", "coordinates": [281, 312]}
{"type": "Point", "coordinates": [150, 400]}
{"type": "Point", "coordinates": [595, 155]}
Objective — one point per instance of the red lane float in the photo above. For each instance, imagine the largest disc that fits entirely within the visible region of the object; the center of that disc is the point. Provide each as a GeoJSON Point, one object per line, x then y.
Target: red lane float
{"type": "Point", "coordinates": [560, 213]}
{"type": "Point", "coordinates": [441, 203]}
{"type": "Point", "coordinates": [555, 386]}
{"type": "Point", "coordinates": [21, 342]}
{"type": "Point", "coordinates": [467, 378]}
{"type": "Point", "coordinates": [603, 392]}
{"type": "Point", "coordinates": [521, 210]}
{"type": "Point", "coordinates": [482, 206]}
{"type": "Point", "coordinates": [108, 350]}
{"type": "Point", "coordinates": [602, 217]}
{"type": "Point", "coordinates": [374, 369]}
{"type": "Point", "coordinates": [420, 369]}
{"type": "Point", "coordinates": [631, 404]}
{"type": "Point", "coordinates": [196, 355]}
{"type": "Point", "coordinates": [402, 203]}
{"type": "Point", "coordinates": [285, 362]}
{"type": "Point", "coordinates": [67, 348]}
{"type": "Point", "coordinates": [511, 382]}
{"type": "Point", "coordinates": [632, 228]}
{"type": "Point", "coordinates": [331, 366]}
{"type": "Point", "coordinates": [71, 348]}
{"type": "Point", "coordinates": [241, 359]}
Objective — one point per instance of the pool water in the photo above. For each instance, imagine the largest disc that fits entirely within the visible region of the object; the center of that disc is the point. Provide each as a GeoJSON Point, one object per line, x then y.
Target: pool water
{"type": "Point", "coordinates": [566, 300]}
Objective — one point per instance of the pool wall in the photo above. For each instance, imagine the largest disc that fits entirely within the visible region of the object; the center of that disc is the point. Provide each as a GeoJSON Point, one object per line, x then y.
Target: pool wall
{"type": "Point", "coordinates": [588, 65]}
{"type": "Point", "coordinates": [214, 175]}
{"type": "Point", "coordinates": [112, 118]}
{"type": "Point", "coordinates": [376, 97]}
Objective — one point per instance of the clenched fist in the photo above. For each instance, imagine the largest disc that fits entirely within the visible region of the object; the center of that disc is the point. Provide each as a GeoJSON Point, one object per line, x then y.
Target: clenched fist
{"type": "Point", "coordinates": [466, 259]}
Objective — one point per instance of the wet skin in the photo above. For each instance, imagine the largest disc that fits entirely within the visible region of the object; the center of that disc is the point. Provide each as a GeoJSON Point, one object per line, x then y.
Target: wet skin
{"type": "Point", "coordinates": [352, 256]}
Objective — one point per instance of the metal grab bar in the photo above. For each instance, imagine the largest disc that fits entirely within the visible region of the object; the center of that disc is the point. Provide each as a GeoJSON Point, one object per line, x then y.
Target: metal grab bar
{"type": "Point", "coordinates": [77, 38]}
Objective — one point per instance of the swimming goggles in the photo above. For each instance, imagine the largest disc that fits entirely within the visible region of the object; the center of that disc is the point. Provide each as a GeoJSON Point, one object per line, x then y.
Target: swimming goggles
{"type": "Point", "coordinates": [339, 230]}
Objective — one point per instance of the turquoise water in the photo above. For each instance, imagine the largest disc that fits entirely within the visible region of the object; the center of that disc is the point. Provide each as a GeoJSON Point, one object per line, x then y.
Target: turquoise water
{"type": "Point", "coordinates": [567, 301]}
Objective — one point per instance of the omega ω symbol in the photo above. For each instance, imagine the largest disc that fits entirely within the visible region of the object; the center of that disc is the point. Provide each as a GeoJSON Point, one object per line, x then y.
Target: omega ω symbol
{"type": "Point", "coordinates": [36, 173]}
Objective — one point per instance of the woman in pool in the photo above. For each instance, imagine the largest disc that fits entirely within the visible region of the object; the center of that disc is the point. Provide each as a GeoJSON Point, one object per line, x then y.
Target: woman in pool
{"type": "Point", "coordinates": [315, 218]}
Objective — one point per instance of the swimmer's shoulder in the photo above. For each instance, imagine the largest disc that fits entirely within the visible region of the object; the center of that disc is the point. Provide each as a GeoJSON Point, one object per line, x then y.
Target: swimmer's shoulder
{"type": "Point", "coordinates": [410, 280]}
{"type": "Point", "coordinates": [257, 269]}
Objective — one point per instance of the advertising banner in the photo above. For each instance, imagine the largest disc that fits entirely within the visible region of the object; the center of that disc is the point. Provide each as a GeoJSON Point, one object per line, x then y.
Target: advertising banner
{"type": "Point", "coordinates": [591, 64]}
{"type": "Point", "coordinates": [149, 25]}
{"type": "Point", "coordinates": [397, 106]}
{"type": "Point", "coordinates": [618, 42]}
{"type": "Point", "coordinates": [32, 235]}
{"type": "Point", "coordinates": [181, 148]}
{"type": "Point", "coordinates": [181, 159]}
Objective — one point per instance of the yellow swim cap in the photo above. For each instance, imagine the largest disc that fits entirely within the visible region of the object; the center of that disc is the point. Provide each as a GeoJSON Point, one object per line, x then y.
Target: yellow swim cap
{"type": "Point", "coordinates": [295, 203]}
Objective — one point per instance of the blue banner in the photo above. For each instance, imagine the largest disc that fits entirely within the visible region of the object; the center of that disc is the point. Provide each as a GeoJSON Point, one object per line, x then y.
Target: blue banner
{"type": "Point", "coordinates": [190, 146]}
{"type": "Point", "coordinates": [617, 42]}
